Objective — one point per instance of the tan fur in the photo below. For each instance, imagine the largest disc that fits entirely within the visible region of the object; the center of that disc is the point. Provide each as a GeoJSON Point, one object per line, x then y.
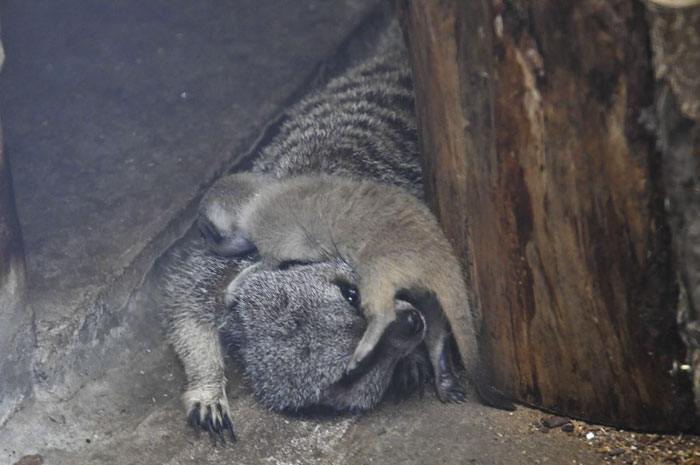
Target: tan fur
{"type": "Point", "coordinates": [390, 239]}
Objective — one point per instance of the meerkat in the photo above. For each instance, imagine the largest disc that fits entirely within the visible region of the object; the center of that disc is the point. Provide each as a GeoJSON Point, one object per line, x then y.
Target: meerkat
{"type": "Point", "coordinates": [291, 329]}
{"type": "Point", "coordinates": [390, 238]}
{"type": "Point", "coordinates": [360, 125]}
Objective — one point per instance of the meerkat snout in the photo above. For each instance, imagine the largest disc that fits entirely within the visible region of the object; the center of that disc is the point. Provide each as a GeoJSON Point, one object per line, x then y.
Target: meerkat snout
{"type": "Point", "coordinates": [401, 337]}
{"type": "Point", "coordinates": [408, 330]}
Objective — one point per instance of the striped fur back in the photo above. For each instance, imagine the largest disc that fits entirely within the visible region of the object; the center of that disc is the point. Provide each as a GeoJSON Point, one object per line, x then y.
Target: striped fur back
{"type": "Point", "coordinates": [361, 125]}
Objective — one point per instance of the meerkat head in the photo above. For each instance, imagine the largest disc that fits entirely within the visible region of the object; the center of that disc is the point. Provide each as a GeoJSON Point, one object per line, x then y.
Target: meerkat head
{"type": "Point", "coordinates": [295, 329]}
{"type": "Point", "coordinates": [220, 210]}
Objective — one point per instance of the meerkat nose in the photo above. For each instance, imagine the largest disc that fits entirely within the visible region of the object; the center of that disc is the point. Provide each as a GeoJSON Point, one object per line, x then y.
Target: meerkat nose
{"type": "Point", "coordinates": [415, 322]}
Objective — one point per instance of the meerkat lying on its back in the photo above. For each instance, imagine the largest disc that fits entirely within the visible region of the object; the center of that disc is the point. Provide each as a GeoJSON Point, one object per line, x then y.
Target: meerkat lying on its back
{"type": "Point", "coordinates": [291, 329]}
{"type": "Point", "coordinates": [390, 239]}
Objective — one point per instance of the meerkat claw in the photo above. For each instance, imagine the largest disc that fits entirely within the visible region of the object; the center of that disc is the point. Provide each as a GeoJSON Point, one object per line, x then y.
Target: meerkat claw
{"type": "Point", "coordinates": [194, 418]}
{"type": "Point", "coordinates": [213, 419]}
{"type": "Point", "coordinates": [220, 431]}
{"type": "Point", "coordinates": [229, 427]}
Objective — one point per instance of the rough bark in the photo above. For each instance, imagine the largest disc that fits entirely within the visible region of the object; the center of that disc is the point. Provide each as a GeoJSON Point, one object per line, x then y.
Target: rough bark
{"type": "Point", "coordinates": [549, 188]}
{"type": "Point", "coordinates": [16, 334]}
{"type": "Point", "coordinates": [675, 39]}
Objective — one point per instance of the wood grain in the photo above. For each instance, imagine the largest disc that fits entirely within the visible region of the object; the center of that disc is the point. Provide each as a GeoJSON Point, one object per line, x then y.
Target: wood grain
{"type": "Point", "coordinates": [548, 187]}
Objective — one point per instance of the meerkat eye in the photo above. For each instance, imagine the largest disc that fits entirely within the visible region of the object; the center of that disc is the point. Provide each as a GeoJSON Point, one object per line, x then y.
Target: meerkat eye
{"type": "Point", "coordinates": [349, 291]}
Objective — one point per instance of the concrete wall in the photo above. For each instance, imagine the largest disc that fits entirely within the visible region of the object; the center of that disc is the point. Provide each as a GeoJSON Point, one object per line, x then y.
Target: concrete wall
{"type": "Point", "coordinates": [16, 333]}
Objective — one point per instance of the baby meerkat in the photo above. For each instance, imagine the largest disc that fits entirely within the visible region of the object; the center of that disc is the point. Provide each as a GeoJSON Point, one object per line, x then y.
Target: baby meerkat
{"type": "Point", "coordinates": [390, 239]}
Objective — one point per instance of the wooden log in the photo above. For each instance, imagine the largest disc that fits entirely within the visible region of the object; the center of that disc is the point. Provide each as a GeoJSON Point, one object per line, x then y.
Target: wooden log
{"type": "Point", "coordinates": [549, 188]}
{"type": "Point", "coordinates": [675, 39]}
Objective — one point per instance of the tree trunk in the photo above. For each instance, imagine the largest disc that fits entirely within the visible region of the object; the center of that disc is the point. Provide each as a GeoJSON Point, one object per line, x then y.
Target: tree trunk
{"type": "Point", "coordinates": [551, 191]}
{"type": "Point", "coordinates": [675, 38]}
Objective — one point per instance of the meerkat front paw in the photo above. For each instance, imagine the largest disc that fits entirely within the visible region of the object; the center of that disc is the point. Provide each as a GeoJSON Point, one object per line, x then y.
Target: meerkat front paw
{"type": "Point", "coordinates": [411, 374]}
{"type": "Point", "coordinates": [209, 411]}
{"type": "Point", "coordinates": [448, 387]}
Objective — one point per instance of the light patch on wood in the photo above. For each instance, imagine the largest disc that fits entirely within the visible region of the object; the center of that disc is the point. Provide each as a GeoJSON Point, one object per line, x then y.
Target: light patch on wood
{"type": "Point", "coordinates": [498, 26]}
{"type": "Point", "coordinates": [676, 3]}
{"type": "Point", "coordinates": [533, 99]}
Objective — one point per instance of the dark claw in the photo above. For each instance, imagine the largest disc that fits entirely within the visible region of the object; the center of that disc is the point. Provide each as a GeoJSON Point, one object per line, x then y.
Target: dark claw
{"type": "Point", "coordinates": [229, 426]}
{"type": "Point", "coordinates": [195, 418]}
{"type": "Point", "coordinates": [219, 424]}
{"type": "Point", "coordinates": [215, 427]}
{"type": "Point", "coordinates": [220, 431]}
{"type": "Point", "coordinates": [208, 420]}
{"type": "Point", "coordinates": [209, 425]}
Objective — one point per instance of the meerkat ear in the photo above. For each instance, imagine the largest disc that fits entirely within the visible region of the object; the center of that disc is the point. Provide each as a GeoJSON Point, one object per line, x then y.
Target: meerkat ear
{"type": "Point", "coordinates": [232, 243]}
{"type": "Point", "coordinates": [220, 210]}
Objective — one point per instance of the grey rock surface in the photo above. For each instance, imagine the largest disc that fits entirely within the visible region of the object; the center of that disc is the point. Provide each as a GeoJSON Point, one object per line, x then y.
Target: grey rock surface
{"type": "Point", "coordinates": [133, 415]}
{"type": "Point", "coordinates": [117, 116]}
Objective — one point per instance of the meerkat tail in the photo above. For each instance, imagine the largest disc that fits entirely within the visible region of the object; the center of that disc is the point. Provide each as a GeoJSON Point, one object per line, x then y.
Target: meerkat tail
{"type": "Point", "coordinates": [377, 296]}
{"type": "Point", "coordinates": [457, 307]}
{"type": "Point", "coordinates": [376, 327]}
{"type": "Point", "coordinates": [465, 322]}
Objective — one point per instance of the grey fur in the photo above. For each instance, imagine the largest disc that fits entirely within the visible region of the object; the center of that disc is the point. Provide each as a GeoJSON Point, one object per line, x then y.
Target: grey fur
{"type": "Point", "coordinates": [360, 126]}
{"type": "Point", "coordinates": [385, 234]}
{"type": "Point", "coordinates": [292, 330]}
